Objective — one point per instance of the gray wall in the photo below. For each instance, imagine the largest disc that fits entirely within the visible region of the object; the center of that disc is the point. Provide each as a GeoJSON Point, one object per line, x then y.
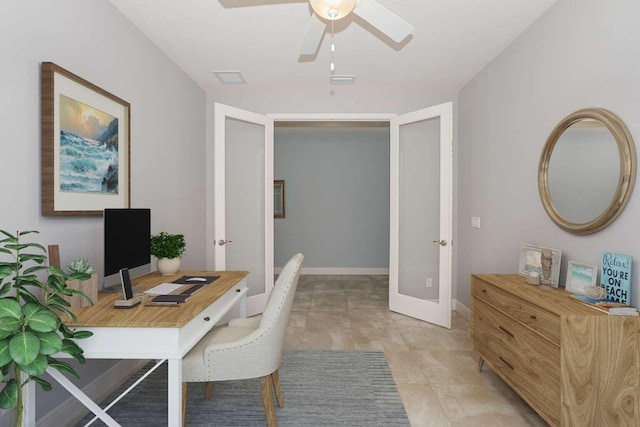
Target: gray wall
{"type": "Point", "coordinates": [337, 196]}
{"type": "Point", "coordinates": [93, 40]}
{"type": "Point", "coordinates": [581, 53]}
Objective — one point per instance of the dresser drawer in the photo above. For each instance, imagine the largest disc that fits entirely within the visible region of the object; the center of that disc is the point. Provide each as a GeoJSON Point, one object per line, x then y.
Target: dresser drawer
{"type": "Point", "coordinates": [538, 319]}
{"type": "Point", "coordinates": [529, 363]}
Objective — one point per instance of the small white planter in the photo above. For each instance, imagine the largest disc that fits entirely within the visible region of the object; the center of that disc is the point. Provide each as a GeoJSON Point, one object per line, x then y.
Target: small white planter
{"type": "Point", "coordinates": [168, 266]}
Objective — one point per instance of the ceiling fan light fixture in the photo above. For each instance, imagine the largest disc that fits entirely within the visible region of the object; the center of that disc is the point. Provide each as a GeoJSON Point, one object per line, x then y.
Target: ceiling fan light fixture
{"type": "Point", "coordinates": [332, 9]}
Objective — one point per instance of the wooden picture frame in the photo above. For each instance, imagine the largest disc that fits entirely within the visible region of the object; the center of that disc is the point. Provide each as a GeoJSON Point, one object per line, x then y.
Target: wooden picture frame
{"type": "Point", "coordinates": [85, 146]}
{"type": "Point", "coordinates": [530, 260]}
{"type": "Point", "coordinates": [278, 199]}
{"type": "Point", "coordinates": [579, 276]}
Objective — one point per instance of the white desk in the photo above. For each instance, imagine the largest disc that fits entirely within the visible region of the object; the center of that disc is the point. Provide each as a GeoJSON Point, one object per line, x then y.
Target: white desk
{"type": "Point", "coordinates": [153, 332]}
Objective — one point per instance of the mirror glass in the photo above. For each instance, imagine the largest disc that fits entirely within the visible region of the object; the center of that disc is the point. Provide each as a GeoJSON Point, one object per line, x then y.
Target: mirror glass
{"type": "Point", "coordinates": [587, 171]}
{"type": "Point", "coordinates": [583, 171]}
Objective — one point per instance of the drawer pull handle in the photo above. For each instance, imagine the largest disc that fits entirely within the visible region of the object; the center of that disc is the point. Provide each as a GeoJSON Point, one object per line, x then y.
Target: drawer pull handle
{"type": "Point", "coordinates": [237, 290]}
{"type": "Point", "coordinates": [484, 291]}
{"type": "Point", "coordinates": [533, 317]}
{"type": "Point", "coordinates": [506, 363]}
{"type": "Point", "coordinates": [506, 332]}
{"type": "Point", "coordinates": [206, 319]}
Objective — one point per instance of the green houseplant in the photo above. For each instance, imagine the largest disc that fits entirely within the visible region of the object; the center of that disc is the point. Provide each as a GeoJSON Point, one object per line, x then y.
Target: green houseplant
{"type": "Point", "coordinates": [168, 248]}
{"type": "Point", "coordinates": [80, 265]}
{"type": "Point", "coordinates": [31, 331]}
{"type": "Point", "coordinates": [88, 287]}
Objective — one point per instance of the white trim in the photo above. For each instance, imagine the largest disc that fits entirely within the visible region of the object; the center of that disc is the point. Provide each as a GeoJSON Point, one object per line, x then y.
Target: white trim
{"type": "Point", "coordinates": [71, 410]}
{"type": "Point", "coordinates": [462, 309]}
{"type": "Point", "coordinates": [332, 117]}
{"type": "Point", "coordinates": [340, 271]}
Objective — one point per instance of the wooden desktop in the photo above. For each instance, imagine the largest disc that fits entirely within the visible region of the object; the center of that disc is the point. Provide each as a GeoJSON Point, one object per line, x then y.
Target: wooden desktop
{"type": "Point", "coordinates": [153, 332]}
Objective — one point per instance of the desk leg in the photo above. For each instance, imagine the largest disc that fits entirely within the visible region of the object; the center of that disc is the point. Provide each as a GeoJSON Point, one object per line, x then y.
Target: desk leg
{"type": "Point", "coordinates": [29, 402]}
{"type": "Point", "coordinates": [175, 392]}
{"type": "Point", "coordinates": [83, 398]}
{"type": "Point", "coordinates": [242, 306]}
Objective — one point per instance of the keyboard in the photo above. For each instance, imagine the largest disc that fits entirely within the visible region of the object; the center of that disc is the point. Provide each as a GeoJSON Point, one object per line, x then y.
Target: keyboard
{"type": "Point", "coordinates": [164, 289]}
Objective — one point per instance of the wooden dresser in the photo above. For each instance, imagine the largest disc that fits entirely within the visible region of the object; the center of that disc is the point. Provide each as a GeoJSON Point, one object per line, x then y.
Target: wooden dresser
{"type": "Point", "coordinates": [574, 365]}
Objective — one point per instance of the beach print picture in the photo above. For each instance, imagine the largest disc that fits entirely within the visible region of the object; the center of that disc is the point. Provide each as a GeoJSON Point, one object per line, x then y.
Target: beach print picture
{"type": "Point", "coordinates": [88, 149]}
{"type": "Point", "coordinates": [579, 276]}
{"type": "Point", "coordinates": [533, 261]}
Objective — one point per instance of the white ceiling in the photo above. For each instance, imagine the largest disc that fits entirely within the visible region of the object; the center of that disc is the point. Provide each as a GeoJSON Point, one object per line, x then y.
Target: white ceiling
{"type": "Point", "coordinates": [452, 41]}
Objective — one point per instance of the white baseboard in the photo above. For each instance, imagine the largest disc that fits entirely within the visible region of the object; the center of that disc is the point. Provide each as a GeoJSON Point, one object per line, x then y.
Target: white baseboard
{"type": "Point", "coordinates": [71, 410]}
{"type": "Point", "coordinates": [340, 271]}
{"type": "Point", "coordinates": [462, 309]}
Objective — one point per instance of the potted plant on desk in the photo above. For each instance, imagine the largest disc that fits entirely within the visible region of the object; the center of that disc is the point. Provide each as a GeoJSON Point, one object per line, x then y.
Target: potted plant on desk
{"type": "Point", "coordinates": [30, 330]}
{"type": "Point", "coordinates": [167, 248]}
{"type": "Point", "coordinates": [88, 287]}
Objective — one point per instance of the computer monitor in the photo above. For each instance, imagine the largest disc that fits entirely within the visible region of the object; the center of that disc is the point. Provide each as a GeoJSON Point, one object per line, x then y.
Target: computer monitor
{"type": "Point", "coordinates": [127, 236]}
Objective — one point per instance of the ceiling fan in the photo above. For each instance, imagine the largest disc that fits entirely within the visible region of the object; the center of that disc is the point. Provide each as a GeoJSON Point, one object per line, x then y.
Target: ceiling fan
{"type": "Point", "coordinates": [387, 22]}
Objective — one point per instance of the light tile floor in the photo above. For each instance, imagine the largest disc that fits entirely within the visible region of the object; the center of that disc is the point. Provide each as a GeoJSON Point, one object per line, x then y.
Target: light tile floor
{"type": "Point", "coordinates": [434, 368]}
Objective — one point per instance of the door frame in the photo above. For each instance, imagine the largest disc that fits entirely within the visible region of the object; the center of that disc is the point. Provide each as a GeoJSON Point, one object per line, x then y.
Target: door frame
{"type": "Point", "coordinates": [303, 117]}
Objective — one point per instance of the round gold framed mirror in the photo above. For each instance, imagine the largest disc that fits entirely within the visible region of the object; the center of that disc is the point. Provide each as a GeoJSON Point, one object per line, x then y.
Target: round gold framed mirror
{"type": "Point", "coordinates": [587, 170]}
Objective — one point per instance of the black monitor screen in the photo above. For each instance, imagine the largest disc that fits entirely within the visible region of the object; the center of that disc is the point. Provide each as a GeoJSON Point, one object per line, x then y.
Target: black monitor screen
{"type": "Point", "coordinates": [127, 235]}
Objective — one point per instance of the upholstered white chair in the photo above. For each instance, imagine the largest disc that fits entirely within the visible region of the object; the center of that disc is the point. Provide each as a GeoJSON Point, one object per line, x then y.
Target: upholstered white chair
{"type": "Point", "coordinates": [247, 348]}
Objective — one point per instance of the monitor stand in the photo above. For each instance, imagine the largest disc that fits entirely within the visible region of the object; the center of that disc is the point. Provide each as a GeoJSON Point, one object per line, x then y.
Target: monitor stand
{"type": "Point", "coordinates": [117, 288]}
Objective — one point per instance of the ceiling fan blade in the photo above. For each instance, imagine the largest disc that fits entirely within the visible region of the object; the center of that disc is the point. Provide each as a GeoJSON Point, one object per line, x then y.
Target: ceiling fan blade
{"type": "Point", "coordinates": [396, 28]}
{"type": "Point", "coordinates": [313, 36]}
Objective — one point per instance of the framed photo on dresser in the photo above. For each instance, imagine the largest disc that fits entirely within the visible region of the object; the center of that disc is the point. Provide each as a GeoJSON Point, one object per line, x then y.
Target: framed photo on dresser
{"type": "Point", "coordinates": [531, 261]}
{"type": "Point", "coordinates": [579, 276]}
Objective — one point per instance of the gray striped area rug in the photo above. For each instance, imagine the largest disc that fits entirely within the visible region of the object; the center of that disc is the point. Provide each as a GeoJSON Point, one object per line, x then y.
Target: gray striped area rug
{"type": "Point", "coordinates": [320, 388]}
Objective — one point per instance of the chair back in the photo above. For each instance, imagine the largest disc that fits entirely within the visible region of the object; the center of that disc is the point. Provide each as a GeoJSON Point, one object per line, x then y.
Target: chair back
{"type": "Point", "coordinates": [276, 314]}
{"type": "Point", "coordinates": [260, 352]}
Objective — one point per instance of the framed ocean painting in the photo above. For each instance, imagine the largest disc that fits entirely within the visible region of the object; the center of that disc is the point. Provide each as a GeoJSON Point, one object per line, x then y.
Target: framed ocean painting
{"type": "Point", "coordinates": [85, 146]}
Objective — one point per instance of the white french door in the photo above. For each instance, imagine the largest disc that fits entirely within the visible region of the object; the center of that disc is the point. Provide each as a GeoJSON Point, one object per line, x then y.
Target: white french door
{"type": "Point", "coordinates": [420, 214]}
{"type": "Point", "coordinates": [243, 199]}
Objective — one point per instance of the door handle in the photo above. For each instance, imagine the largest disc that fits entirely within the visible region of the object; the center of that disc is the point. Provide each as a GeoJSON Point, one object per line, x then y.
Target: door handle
{"type": "Point", "coordinates": [441, 242]}
{"type": "Point", "coordinates": [222, 242]}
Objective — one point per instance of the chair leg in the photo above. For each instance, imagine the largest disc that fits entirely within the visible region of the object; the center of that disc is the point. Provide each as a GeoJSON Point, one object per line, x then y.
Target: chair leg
{"type": "Point", "coordinates": [275, 378]}
{"type": "Point", "coordinates": [208, 390]}
{"type": "Point", "coordinates": [185, 388]}
{"type": "Point", "coordinates": [267, 400]}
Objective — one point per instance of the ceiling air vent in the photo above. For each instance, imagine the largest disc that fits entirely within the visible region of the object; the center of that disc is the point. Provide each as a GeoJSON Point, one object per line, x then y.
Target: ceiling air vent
{"type": "Point", "coordinates": [342, 79]}
{"type": "Point", "coordinates": [230, 77]}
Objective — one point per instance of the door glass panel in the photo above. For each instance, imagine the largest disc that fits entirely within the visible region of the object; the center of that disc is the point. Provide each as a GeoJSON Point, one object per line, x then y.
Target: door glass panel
{"type": "Point", "coordinates": [419, 206]}
{"type": "Point", "coordinates": [245, 201]}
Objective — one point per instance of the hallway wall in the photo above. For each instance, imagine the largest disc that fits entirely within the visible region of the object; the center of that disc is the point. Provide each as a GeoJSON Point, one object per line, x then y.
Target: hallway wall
{"type": "Point", "coordinates": [337, 196]}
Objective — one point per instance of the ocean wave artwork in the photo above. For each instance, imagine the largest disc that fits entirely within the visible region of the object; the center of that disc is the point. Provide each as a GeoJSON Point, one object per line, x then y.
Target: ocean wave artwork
{"type": "Point", "coordinates": [88, 149]}
{"type": "Point", "coordinates": [581, 276]}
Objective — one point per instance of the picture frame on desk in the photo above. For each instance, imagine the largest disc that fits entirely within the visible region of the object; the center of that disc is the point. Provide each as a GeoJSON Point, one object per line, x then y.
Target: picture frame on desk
{"type": "Point", "coordinates": [579, 276]}
{"type": "Point", "coordinates": [85, 146]}
{"type": "Point", "coordinates": [531, 261]}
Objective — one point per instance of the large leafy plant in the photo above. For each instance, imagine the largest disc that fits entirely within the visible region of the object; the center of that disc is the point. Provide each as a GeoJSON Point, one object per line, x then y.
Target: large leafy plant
{"type": "Point", "coordinates": [31, 330]}
{"type": "Point", "coordinates": [165, 245]}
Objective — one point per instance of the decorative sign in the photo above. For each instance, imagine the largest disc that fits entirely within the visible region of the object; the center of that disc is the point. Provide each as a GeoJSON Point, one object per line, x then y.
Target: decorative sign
{"type": "Point", "coordinates": [615, 277]}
